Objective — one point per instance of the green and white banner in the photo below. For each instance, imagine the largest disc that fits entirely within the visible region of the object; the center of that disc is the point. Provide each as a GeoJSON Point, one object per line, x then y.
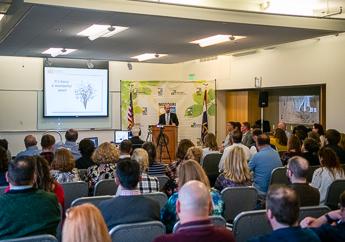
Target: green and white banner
{"type": "Point", "coordinates": [185, 99]}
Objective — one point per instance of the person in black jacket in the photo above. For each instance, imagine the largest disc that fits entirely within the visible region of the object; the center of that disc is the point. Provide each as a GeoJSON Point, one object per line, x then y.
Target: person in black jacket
{"type": "Point", "coordinates": [168, 118]}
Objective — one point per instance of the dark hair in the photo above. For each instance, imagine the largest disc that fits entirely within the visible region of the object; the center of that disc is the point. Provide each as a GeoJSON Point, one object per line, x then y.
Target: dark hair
{"type": "Point", "coordinates": [237, 125]}
{"type": "Point", "coordinates": [210, 141]}
{"type": "Point", "coordinates": [257, 132]}
{"type": "Point", "coordinates": [284, 204]}
{"type": "Point", "coordinates": [4, 144]}
{"type": "Point", "coordinates": [71, 135]}
{"type": "Point", "coordinates": [332, 136]}
{"type": "Point", "coordinates": [301, 132]}
{"type": "Point", "coordinates": [311, 145]}
{"type": "Point", "coordinates": [3, 159]}
{"type": "Point", "coordinates": [47, 141]}
{"type": "Point", "coordinates": [182, 148]}
{"type": "Point", "coordinates": [330, 160]}
{"type": "Point", "coordinates": [151, 151]}
{"type": "Point", "coordinates": [263, 139]}
{"type": "Point", "coordinates": [86, 147]}
{"type": "Point", "coordinates": [126, 146]}
{"type": "Point", "coordinates": [297, 168]}
{"type": "Point", "coordinates": [342, 199]}
{"type": "Point", "coordinates": [314, 136]}
{"type": "Point", "coordinates": [128, 173]}
{"type": "Point", "coordinates": [319, 128]}
{"type": "Point", "coordinates": [30, 140]}
{"type": "Point", "coordinates": [21, 171]}
{"type": "Point", "coordinates": [44, 180]}
{"type": "Point", "coordinates": [281, 137]}
{"type": "Point", "coordinates": [246, 124]}
{"type": "Point", "coordinates": [294, 144]}
{"type": "Point", "coordinates": [236, 136]}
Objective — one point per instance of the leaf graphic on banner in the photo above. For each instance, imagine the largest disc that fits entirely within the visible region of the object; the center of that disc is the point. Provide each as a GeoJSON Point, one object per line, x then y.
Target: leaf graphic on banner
{"type": "Point", "coordinates": [198, 98]}
{"type": "Point", "coordinates": [137, 110]}
{"type": "Point", "coordinates": [193, 111]}
{"type": "Point", "coordinates": [145, 90]}
{"type": "Point", "coordinates": [211, 95]}
{"type": "Point", "coordinates": [212, 110]}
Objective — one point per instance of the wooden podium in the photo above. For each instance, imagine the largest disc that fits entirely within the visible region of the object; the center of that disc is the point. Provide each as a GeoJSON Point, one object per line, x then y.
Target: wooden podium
{"type": "Point", "coordinates": [170, 134]}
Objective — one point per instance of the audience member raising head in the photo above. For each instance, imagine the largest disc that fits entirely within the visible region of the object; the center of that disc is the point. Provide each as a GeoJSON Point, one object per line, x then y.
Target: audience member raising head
{"type": "Point", "coordinates": [194, 153]}
{"type": "Point", "coordinates": [31, 147]}
{"type": "Point", "coordinates": [127, 207]}
{"type": "Point", "coordinates": [193, 208]}
{"type": "Point", "coordinates": [294, 148]}
{"type": "Point", "coordinates": [105, 157]}
{"type": "Point", "coordinates": [332, 139]}
{"type": "Point", "coordinates": [125, 149]}
{"type": "Point", "coordinates": [329, 171]}
{"type": "Point", "coordinates": [86, 148]}
{"type": "Point", "coordinates": [155, 167]}
{"type": "Point", "coordinates": [310, 150]}
{"type": "Point", "coordinates": [85, 223]}
{"type": "Point", "coordinates": [63, 167]}
{"type": "Point", "coordinates": [147, 183]}
{"type": "Point", "coordinates": [47, 144]}
{"type": "Point", "coordinates": [236, 171]}
{"type": "Point", "coordinates": [189, 170]}
{"type": "Point", "coordinates": [3, 166]}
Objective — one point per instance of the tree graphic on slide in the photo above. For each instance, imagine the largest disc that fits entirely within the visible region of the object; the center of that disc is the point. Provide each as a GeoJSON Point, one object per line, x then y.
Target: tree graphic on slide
{"type": "Point", "coordinates": [85, 94]}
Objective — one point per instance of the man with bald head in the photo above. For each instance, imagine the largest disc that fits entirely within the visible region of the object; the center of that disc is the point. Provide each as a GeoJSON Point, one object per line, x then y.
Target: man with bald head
{"type": "Point", "coordinates": [297, 169]}
{"type": "Point", "coordinates": [193, 208]}
{"type": "Point", "coordinates": [30, 143]}
{"type": "Point", "coordinates": [168, 118]}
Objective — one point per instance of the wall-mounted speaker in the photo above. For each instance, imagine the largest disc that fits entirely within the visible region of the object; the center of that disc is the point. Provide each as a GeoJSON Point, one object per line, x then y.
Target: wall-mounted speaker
{"type": "Point", "coordinates": [263, 99]}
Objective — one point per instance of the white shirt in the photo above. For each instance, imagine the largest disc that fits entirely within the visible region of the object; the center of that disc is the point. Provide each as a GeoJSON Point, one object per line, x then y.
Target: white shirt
{"type": "Point", "coordinates": [167, 118]}
{"type": "Point", "coordinates": [227, 151]}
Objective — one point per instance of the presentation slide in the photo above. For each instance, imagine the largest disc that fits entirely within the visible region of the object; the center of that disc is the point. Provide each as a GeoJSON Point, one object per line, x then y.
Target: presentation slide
{"type": "Point", "coordinates": [75, 92]}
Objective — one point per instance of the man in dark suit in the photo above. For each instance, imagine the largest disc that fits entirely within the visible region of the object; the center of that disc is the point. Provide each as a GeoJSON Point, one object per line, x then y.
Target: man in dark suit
{"type": "Point", "coordinates": [168, 118]}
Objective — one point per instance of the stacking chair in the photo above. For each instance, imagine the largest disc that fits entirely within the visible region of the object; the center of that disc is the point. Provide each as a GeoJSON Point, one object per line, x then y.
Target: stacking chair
{"type": "Point", "coordinates": [162, 181]}
{"type": "Point", "coordinates": [210, 165]}
{"type": "Point", "coordinates": [105, 187]}
{"type": "Point", "coordinates": [333, 193]}
{"type": "Point", "coordinates": [312, 211]}
{"type": "Point", "coordinates": [278, 176]}
{"type": "Point", "coordinates": [160, 197]}
{"type": "Point", "coordinates": [94, 200]}
{"type": "Point", "coordinates": [2, 190]}
{"type": "Point", "coordinates": [216, 220]}
{"type": "Point", "coordinates": [36, 238]}
{"type": "Point", "coordinates": [238, 199]}
{"type": "Point", "coordinates": [74, 190]}
{"type": "Point", "coordinates": [137, 232]}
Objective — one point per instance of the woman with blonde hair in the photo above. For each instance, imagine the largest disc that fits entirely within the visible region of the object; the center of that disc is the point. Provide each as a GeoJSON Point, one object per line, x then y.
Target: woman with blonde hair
{"type": "Point", "coordinates": [63, 167]}
{"type": "Point", "coordinates": [236, 171]}
{"type": "Point", "coordinates": [147, 183]}
{"type": "Point", "coordinates": [85, 223]}
{"type": "Point", "coordinates": [210, 146]}
{"type": "Point", "coordinates": [105, 157]}
{"type": "Point", "coordinates": [194, 153]}
{"type": "Point", "coordinates": [187, 171]}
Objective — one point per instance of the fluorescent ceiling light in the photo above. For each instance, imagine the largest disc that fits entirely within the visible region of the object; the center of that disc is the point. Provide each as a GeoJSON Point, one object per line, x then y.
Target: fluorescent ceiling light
{"type": "Point", "coordinates": [216, 39]}
{"type": "Point", "coordinates": [58, 51]}
{"type": "Point", "coordinates": [96, 31]}
{"type": "Point", "coordinates": [1, 16]}
{"type": "Point", "coordinates": [148, 56]}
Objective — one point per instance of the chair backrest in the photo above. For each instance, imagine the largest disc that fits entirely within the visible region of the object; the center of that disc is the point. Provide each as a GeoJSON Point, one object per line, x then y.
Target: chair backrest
{"type": "Point", "coordinates": [333, 193]}
{"type": "Point", "coordinates": [137, 232]}
{"type": "Point", "coordinates": [2, 190]}
{"type": "Point", "coordinates": [278, 176]}
{"type": "Point", "coordinates": [310, 172]}
{"type": "Point", "coordinates": [105, 187]}
{"type": "Point", "coordinates": [312, 211]}
{"type": "Point", "coordinates": [94, 200]}
{"type": "Point", "coordinates": [162, 181]}
{"type": "Point", "coordinates": [238, 199]}
{"type": "Point", "coordinates": [216, 220]}
{"type": "Point", "coordinates": [36, 238]}
{"type": "Point", "coordinates": [160, 197]}
{"type": "Point", "coordinates": [82, 174]}
{"type": "Point", "coordinates": [210, 165]}
{"type": "Point", "coordinates": [74, 190]}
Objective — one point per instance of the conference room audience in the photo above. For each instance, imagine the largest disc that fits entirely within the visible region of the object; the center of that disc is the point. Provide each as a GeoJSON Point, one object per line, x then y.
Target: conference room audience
{"type": "Point", "coordinates": [318, 129]}
{"type": "Point", "coordinates": [210, 146]}
{"type": "Point", "coordinates": [293, 149]}
{"type": "Point", "coordinates": [310, 149]}
{"type": "Point", "coordinates": [296, 171]}
{"type": "Point", "coordinates": [279, 140]}
{"type": "Point", "coordinates": [129, 206]}
{"type": "Point", "coordinates": [189, 170]}
{"type": "Point", "coordinates": [331, 226]}
{"type": "Point", "coordinates": [263, 163]}
{"type": "Point", "coordinates": [85, 223]}
{"type": "Point", "coordinates": [236, 171]}
{"type": "Point", "coordinates": [329, 171]}
{"type": "Point", "coordinates": [247, 136]}
{"type": "Point", "coordinates": [63, 167]}
{"type": "Point", "coordinates": [71, 137]}
{"type": "Point", "coordinates": [3, 166]}
{"type": "Point", "coordinates": [156, 168]}
{"type": "Point", "coordinates": [4, 144]}
{"type": "Point", "coordinates": [147, 184]}
{"type": "Point", "coordinates": [47, 144]}
{"type": "Point", "coordinates": [86, 148]}
{"type": "Point", "coordinates": [25, 210]}
{"type": "Point", "coordinates": [105, 157]}
{"type": "Point", "coordinates": [193, 207]}
{"type": "Point", "coordinates": [282, 211]}
{"type": "Point", "coordinates": [236, 138]}
{"type": "Point", "coordinates": [182, 148]}
{"type": "Point", "coordinates": [194, 153]}
{"type": "Point", "coordinates": [332, 139]}
{"type": "Point", "coordinates": [125, 149]}
{"type": "Point", "coordinates": [31, 148]}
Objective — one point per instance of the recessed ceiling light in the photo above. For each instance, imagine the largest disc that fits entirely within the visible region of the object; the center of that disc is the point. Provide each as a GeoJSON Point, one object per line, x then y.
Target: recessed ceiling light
{"type": "Point", "coordinates": [216, 39]}
{"type": "Point", "coordinates": [58, 51]}
{"type": "Point", "coordinates": [148, 56]}
{"type": "Point", "coordinates": [96, 31]}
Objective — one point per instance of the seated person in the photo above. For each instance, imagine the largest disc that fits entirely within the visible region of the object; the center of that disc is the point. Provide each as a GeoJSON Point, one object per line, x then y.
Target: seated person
{"type": "Point", "coordinates": [4, 144]}
{"type": "Point", "coordinates": [310, 148]}
{"type": "Point", "coordinates": [279, 140]}
{"type": "Point", "coordinates": [193, 207]}
{"type": "Point", "coordinates": [3, 166]}
{"type": "Point", "coordinates": [297, 170]}
{"type": "Point", "coordinates": [155, 167]}
{"type": "Point", "coordinates": [331, 226]}
{"type": "Point", "coordinates": [194, 153]}
{"type": "Point", "coordinates": [332, 140]}
{"type": "Point", "coordinates": [25, 210]}
{"type": "Point", "coordinates": [210, 146]}
{"type": "Point", "coordinates": [125, 149]}
{"type": "Point", "coordinates": [63, 167]}
{"type": "Point", "coordinates": [47, 143]}
{"type": "Point", "coordinates": [71, 137]}
{"type": "Point", "coordinates": [86, 148]}
{"type": "Point", "coordinates": [247, 136]}
{"type": "Point", "coordinates": [135, 139]}
{"type": "Point", "coordinates": [294, 148]}
{"type": "Point", "coordinates": [282, 210]}
{"type": "Point", "coordinates": [129, 206]}
{"type": "Point", "coordinates": [30, 143]}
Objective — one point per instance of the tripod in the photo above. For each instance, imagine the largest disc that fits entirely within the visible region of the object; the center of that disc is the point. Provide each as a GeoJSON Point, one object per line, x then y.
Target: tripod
{"type": "Point", "coordinates": [161, 140]}
{"type": "Point", "coordinates": [149, 134]}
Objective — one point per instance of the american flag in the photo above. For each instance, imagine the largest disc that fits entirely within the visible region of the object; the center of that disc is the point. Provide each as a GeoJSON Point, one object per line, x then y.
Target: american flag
{"type": "Point", "coordinates": [204, 126]}
{"type": "Point", "coordinates": [130, 113]}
